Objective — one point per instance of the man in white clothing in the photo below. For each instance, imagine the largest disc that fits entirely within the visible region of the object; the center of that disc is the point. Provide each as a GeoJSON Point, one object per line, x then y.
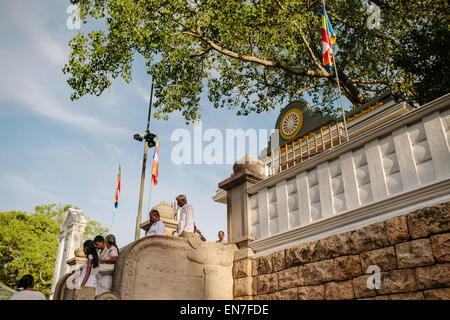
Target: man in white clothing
{"type": "Point", "coordinates": [28, 293]}
{"type": "Point", "coordinates": [157, 227]}
{"type": "Point", "coordinates": [186, 223]}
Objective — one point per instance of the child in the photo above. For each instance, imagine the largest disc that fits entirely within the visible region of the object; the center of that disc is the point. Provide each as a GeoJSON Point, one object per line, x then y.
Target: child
{"type": "Point", "coordinates": [90, 268]}
{"type": "Point", "coordinates": [105, 281]}
{"type": "Point", "coordinates": [99, 243]}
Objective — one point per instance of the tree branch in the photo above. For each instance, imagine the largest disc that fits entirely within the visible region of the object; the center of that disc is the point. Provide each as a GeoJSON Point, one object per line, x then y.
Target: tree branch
{"type": "Point", "coordinates": [300, 30]}
{"type": "Point", "coordinates": [380, 81]}
{"type": "Point", "coordinates": [317, 85]}
{"type": "Point", "coordinates": [267, 63]}
{"type": "Point", "coordinates": [201, 54]}
{"type": "Point", "coordinates": [377, 34]}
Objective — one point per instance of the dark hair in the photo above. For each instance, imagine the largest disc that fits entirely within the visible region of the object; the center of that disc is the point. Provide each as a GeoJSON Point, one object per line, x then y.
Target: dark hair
{"type": "Point", "coordinates": [155, 212]}
{"type": "Point", "coordinates": [26, 281]}
{"type": "Point", "coordinates": [111, 239]}
{"type": "Point", "coordinates": [91, 250]}
{"type": "Point", "coordinates": [115, 245]}
{"type": "Point", "coordinates": [99, 239]}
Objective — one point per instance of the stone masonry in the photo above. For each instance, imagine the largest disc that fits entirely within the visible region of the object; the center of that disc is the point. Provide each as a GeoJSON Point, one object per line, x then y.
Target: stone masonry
{"type": "Point", "coordinates": [412, 252]}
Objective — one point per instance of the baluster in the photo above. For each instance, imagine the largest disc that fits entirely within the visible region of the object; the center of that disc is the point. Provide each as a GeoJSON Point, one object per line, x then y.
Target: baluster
{"type": "Point", "coordinates": [315, 143]}
{"type": "Point", "coordinates": [321, 136]}
{"type": "Point", "coordinates": [286, 157]}
{"type": "Point", "coordinates": [301, 150]}
{"type": "Point", "coordinates": [338, 129]}
{"type": "Point", "coordinates": [330, 130]}
{"type": "Point", "coordinates": [293, 151]}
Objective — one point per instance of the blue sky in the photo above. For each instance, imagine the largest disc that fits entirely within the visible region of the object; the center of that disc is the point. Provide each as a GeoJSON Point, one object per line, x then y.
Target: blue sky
{"type": "Point", "coordinates": [53, 150]}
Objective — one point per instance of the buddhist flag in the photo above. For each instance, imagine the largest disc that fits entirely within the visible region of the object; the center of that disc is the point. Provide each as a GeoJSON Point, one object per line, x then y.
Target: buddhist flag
{"type": "Point", "coordinates": [116, 201]}
{"type": "Point", "coordinates": [328, 39]}
{"type": "Point", "coordinates": [155, 164]}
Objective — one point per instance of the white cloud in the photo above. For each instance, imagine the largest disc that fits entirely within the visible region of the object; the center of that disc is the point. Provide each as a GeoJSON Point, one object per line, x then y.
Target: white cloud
{"type": "Point", "coordinates": [21, 193]}
{"type": "Point", "coordinates": [32, 65]}
{"type": "Point", "coordinates": [33, 94]}
{"type": "Point", "coordinates": [138, 90]}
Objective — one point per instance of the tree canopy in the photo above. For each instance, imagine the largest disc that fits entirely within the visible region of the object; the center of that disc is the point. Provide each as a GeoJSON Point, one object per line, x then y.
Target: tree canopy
{"type": "Point", "coordinates": [29, 243]}
{"type": "Point", "coordinates": [254, 55]}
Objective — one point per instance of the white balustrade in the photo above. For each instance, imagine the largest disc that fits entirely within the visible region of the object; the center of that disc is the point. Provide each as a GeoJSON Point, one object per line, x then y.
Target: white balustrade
{"type": "Point", "coordinates": [390, 167]}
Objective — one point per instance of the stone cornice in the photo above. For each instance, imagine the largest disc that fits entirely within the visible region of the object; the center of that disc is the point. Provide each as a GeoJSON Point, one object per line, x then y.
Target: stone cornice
{"type": "Point", "coordinates": [240, 178]}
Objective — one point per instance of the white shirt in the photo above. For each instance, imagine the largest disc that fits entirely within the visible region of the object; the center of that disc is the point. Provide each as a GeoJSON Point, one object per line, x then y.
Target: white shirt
{"type": "Point", "coordinates": [28, 295]}
{"type": "Point", "coordinates": [111, 252]}
{"type": "Point", "coordinates": [92, 280]}
{"type": "Point", "coordinates": [186, 219]}
{"type": "Point", "coordinates": [157, 229]}
{"type": "Point", "coordinates": [102, 253]}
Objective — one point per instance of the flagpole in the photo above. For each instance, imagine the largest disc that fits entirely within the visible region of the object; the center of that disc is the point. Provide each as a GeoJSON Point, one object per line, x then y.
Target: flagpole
{"type": "Point", "coordinates": [337, 78]}
{"type": "Point", "coordinates": [150, 195]}
{"type": "Point", "coordinates": [137, 233]}
{"type": "Point", "coordinates": [340, 96]}
{"type": "Point", "coordinates": [112, 221]}
{"type": "Point", "coordinates": [151, 181]}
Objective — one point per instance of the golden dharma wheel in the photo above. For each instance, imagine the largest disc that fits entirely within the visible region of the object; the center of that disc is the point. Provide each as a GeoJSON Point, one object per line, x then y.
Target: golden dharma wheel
{"type": "Point", "coordinates": [291, 123]}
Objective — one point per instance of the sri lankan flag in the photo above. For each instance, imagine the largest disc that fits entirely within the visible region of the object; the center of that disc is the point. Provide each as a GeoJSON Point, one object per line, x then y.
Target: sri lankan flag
{"type": "Point", "coordinates": [328, 39]}
{"type": "Point", "coordinates": [155, 164]}
{"type": "Point", "coordinates": [116, 201]}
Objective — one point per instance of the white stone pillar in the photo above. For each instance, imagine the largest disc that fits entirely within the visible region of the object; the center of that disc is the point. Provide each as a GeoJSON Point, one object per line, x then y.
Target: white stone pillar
{"type": "Point", "coordinates": [71, 237]}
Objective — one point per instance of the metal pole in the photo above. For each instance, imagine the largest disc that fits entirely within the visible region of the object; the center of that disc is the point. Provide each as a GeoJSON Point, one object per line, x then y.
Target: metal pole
{"type": "Point", "coordinates": [144, 162]}
{"type": "Point", "coordinates": [337, 79]}
{"type": "Point", "coordinates": [340, 97]}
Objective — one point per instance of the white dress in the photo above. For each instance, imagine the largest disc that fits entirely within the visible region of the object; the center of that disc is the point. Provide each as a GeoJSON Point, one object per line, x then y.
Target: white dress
{"type": "Point", "coordinates": [104, 281]}
{"type": "Point", "coordinates": [92, 280]}
{"type": "Point", "coordinates": [102, 253]}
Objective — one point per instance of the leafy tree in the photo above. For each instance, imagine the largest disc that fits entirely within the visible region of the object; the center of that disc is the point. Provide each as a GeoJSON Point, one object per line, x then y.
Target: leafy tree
{"type": "Point", "coordinates": [29, 243]}
{"type": "Point", "coordinates": [58, 214]}
{"type": "Point", "coordinates": [54, 211]}
{"type": "Point", "coordinates": [253, 55]}
{"type": "Point", "coordinates": [94, 228]}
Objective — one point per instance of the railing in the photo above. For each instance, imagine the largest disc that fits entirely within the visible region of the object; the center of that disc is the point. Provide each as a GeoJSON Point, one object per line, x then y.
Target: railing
{"type": "Point", "coordinates": [306, 147]}
{"type": "Point", "coordinates": [299, 150]}
{"type": "Point", "coordinates": [404, 163]}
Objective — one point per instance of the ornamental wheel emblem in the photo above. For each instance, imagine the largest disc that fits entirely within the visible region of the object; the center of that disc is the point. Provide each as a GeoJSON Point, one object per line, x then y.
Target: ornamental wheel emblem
{"type": "Point", "coordinates": [291, 124]}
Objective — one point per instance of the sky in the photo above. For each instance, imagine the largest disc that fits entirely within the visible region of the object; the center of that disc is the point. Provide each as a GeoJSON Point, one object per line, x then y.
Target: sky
{"type": "Point", "coordinates": [53, 150]}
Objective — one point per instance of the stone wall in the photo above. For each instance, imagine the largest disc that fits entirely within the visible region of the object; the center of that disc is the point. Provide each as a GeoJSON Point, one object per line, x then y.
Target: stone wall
{"type": "Point", "coordinates": [412, 252]}
{"type": "Point", "coordinates": [173, 268]}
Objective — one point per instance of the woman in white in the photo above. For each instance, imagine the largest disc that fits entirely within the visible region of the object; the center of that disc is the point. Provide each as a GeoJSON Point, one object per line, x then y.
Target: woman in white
{"type": "Point", "coordinates": [104, 283]}
{"type": "Point", "coordinates": [90, 268]}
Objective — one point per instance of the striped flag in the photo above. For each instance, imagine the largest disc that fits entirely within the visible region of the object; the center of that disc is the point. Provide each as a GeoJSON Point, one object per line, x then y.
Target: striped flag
{"type": "Point", "coordinates": [116, 201]}
{"type": "Point", "coordinates": [155, 164]}
{"type": "Point", "coordinates": [328, 39]}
